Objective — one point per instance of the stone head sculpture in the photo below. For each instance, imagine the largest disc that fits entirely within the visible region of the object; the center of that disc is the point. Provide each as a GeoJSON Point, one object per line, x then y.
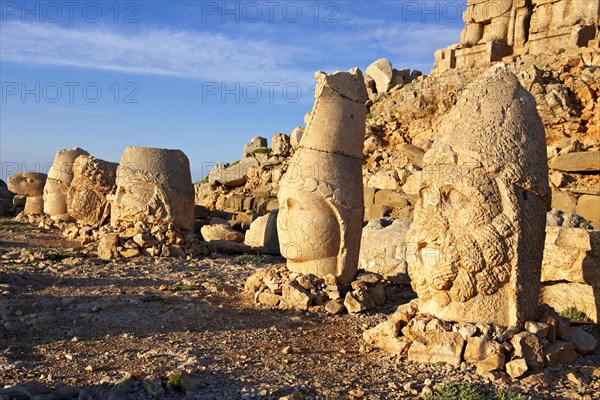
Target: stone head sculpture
{"type": "Point", "coordinates": [60, 176]}
{"type": "Point", "coordinates": [475, 246]}
{"type": "Point", "coordinates": [321, 194]}
{"type": "Point", "coordinates": [30, 185]}
{"type": "Point", "coordinates": [154, 186]}
{"type": "Point", "coordinates": [93, 180]}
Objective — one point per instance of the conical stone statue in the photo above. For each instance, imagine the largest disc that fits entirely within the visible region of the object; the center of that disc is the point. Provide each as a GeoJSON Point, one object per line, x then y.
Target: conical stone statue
{"type": "Point", "coordinates": [321, 193]}
{"type": "Point", "coordinates": [474, 250]}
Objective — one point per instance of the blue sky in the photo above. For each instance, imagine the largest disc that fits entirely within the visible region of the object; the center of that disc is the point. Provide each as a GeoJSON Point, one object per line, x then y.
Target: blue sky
{"type": "Point", "coordinates": [200, 76]}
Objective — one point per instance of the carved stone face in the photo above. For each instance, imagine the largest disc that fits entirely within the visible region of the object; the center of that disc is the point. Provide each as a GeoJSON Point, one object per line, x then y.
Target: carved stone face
{"type": "Point", "coordinates": [154, 186]}
{"type": "Point", "coordinates": [55, 198]}
{"type": "Point", "coordinates": [138, 198]}
{"type": "Point", "coordinates": [459, 252]}
{"type": "Point", "coordinates": [307, 226]}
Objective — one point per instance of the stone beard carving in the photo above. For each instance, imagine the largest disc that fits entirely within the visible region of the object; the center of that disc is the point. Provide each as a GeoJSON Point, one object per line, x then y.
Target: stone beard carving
{"type": "Point", "coordinates": [321, 194]}
{"type": "Point", "coordinates": [59, 180]}
{"type": "Point", "coordinates": [476, 243]}
{"type": "Point", "coordinates": [31, 185]}
{"type": "Point", "coordinates": [154, 186]}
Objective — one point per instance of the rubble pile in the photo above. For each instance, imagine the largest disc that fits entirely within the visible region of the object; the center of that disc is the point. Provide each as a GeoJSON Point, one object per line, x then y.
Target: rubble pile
{"type": "Point", "coordinates": [546, 341]}
{"type": "Point", "coordinates": [279, 288]}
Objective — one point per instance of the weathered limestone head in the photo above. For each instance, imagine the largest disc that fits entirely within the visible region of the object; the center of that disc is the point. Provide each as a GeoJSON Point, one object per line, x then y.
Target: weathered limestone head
{"type": "Point", "coordinates": [321, 194]}
{"type": "Point", "coordinates": [475, 246]}
{"type": "Point", "coordinates": [93, 180]}
{"type": "Point", "coordinates": [154, 186]}
{"type": "Point", "coordinates": [30, 185]}
{"type": "Point", "coordinates": [60, 176]}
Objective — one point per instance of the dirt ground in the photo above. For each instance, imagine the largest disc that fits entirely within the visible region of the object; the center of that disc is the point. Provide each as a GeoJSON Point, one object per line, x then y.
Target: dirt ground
{"type": "Point", "coordinates": [82, 328]}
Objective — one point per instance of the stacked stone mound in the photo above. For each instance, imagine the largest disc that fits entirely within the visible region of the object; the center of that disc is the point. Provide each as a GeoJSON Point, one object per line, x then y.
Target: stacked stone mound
{"type": "Point", "coordinates": [545, 341]}
{"type": "Point", "coordinates": [30, 187]}
{"type": "Point", "coordinates": [277, 287]}
{"type": "Point", "coordinates": [146, 240]}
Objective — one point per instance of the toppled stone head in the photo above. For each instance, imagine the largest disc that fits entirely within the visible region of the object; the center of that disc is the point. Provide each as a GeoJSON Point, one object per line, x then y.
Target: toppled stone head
{"type": "Point", "coordinates": [93, 180]}
{"type": "Point", "coordinates": [59, 180]}
{"type": "Point", "coordinates": [153, 186]}
{"type": "Point", "coordinates": [475, 246]}
{"type": "Point", "coordinates": [30, 185]}
{"type": "Point", "coordinates": [321, 194]}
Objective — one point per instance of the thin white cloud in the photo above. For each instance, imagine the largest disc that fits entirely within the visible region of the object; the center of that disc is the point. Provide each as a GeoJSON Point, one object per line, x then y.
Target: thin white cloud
{"type": "Point", "coordinates": [219, 57]}
{"type": "Point", "coordinates": [189, 54]}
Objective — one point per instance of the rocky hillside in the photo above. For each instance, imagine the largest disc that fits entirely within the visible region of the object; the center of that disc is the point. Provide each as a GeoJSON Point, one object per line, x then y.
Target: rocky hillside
{"type": "Point", "coordinates": [405, 111]}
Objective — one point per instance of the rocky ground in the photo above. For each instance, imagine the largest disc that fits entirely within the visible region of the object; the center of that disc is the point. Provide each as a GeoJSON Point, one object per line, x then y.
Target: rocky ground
{"type": "Point", "coordinates": [76, 327]}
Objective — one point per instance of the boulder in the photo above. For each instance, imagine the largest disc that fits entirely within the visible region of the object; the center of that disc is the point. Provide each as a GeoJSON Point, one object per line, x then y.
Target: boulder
{"type": "Point", "coordinates": [234, 175]}
{"type": "Point", "coordinates": [93, 180]}
{"type": "Point", "coordinates": [559, 353]}
{"type": "Point", "coordinates": [571, 255]}
{"type": "Point", "coordinates": [588, 206]}
{"type": "Point", "coordinates": [381, 338]}
{"type": "Point", "coordinates": [516, 368]}
{"type": "Point", "coordinates": [434, 347]}
{"type": "Point", "coordinates": [382, 73]}
{"type": "Point", "coordinates": [295, 136]}
{"type": "Point", "coordinates": [228, 247]}
{"type": "Point", "coordinates": [486, 350]}
{"type": "Point", "coordinates": [412, 153]}
{"type": "Point", "coordinates": [280, 145]}
{"type": "Point", "coordinates": [295, 296]}
{"type": "Point", "coordinates": [539, 329]}
{"type": "Point", "coordinates": [107, 246]}
{"type": "Point", "coordinates": [262, 234]}
{"type": "Point", "coordinates": [564, 201]}
{"type": "Point", "coordinates": [528, 347]}
{"type": "Point", "coordinates": [384, 179]}
{"type": "Point", "coordinates": [221, 232]}
{"type": "Point", "coordinates": [564, 295]}
{"type": "Point", "coordinates": [583, 342]}
{"type": "Point", "coordinates": [583, 161]}
{"type": "Point", "coordinates": [383, 248]}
